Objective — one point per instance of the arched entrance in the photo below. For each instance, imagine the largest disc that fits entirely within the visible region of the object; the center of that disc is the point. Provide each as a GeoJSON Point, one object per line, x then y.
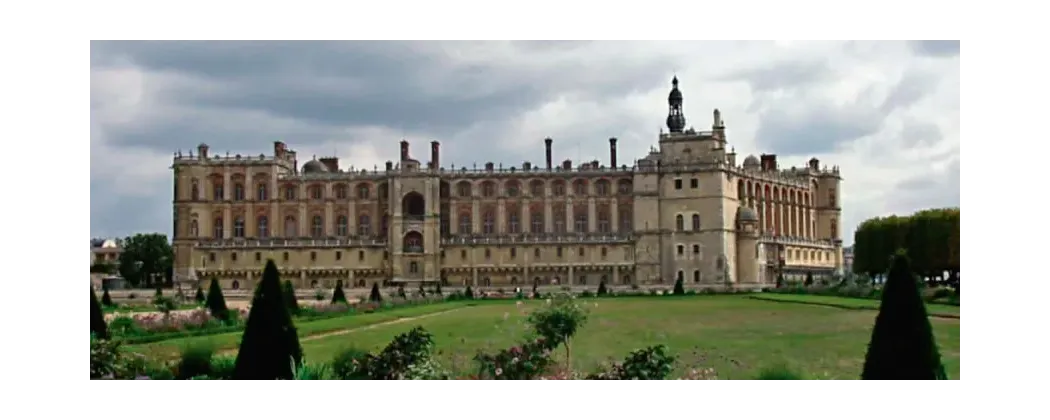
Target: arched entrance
{"type": "Point", "coordinates": [413, 243]}
{"type": "Point", "coordinates": [413, 206]}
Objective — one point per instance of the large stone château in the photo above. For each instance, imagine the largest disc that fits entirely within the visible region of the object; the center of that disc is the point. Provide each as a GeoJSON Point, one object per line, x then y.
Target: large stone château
{"type": "Point", "coordinates": [688, 210]}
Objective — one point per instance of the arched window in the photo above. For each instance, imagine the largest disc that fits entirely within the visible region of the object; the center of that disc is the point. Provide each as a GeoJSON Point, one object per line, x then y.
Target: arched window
{"type": "Point", "coordinates": [512, 189]}
{"type": "Point", "coordinates": [340, 191]}
{"type": "Point", "coordinates": [413, 242]}
{"type": "Point", "coordinates": [238, 192]}
{"type": "Point", "coordinates": [342, 227]}
{"type": "Point", "coordinates": [217, 191]}
{"type": "Point", "coordinates": [602, 187]}
{"type": "Point", "coordinates": [238, 227]}
{"type": "Point", "coordinates": [217, 228]}
{"type": "Point", "coordinates": [195, 190]}
{"type": "Point", "coordinates": [317, 227]}
{"type": "Point", "coordinates": [559, 219]}
{"type": "Point", "coordinates": [362, 191]}
{"type": "Point", "coordinates": [537, 222]}
{"type": "Point", "coordinates": [262, 227]}
{"type": "Point", "coordinates": [679, 223]}
{"type": "Point", "coordinates": [194, 229]}
{"type": "Point", "coordinates": [488, 189]}
{"type": "Point", "coordinates": [579, 187]}
{"type": "Point", "coordinates": [558, 188]}
{"type": "Point", "coordinates": [681, 276]}
{"type": "Point", "coordinates": [364, 225]}
{"type": "Point", "coordinates": [464, 224]}
{"type": "Point", "coordinates": [261, 192]}
{"type": "Point", "coordinates": [463, 189]}
{"type": "Point", "coordinates": [291, 228]}
{"type": "Point", "coordinates": [696, 222]}
{"type": "Point", "coordinates": [536, 188]}
{"type": "Point", "coordinates": [624, 186]}
{"type": "Point", "coordinates": [488, 223]}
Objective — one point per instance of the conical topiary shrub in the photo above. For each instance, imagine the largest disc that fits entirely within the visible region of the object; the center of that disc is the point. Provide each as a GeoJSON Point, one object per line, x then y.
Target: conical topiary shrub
{"type": "Point", "coordinates": [375, 296]}
{"type": "Point", "coordinates": [780, 280]}
{"type": "Point", "coordinates": [98, 321]}
{"type": "Point", "coordinates": [809, 278]}
{"type": "Point", "coordinates": [269, 347]}
{"type": "Point", "coordinates": [290, 300]}
{"type": "Point", "coordinates": [337, 295]}
{"type": "Point", "coordinates": [216, 303]}
{"type": "Point", "coordinates": [902, 344]}
{"type": "Point", "coordinates": [602, 291]}
{"type": "Point", "coordinates": [200, 297]}
{"type": "Point", "coordinates": [469, 294]}
{"type": "Point", "coordinates": [106, 299]}
{"type": "Point", "coordinates": [437, 290]}
{"type": "Point", "coordinates": [679, 287]}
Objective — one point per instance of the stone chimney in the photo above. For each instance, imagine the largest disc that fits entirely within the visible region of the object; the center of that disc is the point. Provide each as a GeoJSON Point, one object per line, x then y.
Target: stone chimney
{"type": "Point", "coordinates": [548, 142]}
{"type": "Point", "coordinates": [404, 150]}
{"type": "Point", "coordinates": [435, 154]}
{"type": "Point", "coordinates": [612, 152]}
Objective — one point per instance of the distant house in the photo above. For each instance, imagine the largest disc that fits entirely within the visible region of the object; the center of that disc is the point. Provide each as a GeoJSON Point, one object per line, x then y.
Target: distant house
{"type": "Point", "coordinates": [847, 259]}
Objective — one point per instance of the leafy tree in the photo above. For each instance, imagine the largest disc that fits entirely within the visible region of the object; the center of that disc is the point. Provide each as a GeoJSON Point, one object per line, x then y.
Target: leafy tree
{"type": "Point", "coordinates": [679, 288]}
{"type": "Point", "coordinates": [290, 300]}
{"type": "Point", "coordinates": [98, 321]}
{"type": "Point", "coordinates": [270, 346]}
{"type": "Point", "coordinates": [902, 344]}
{"type": "Point", "coordinates": [106, 299]}
{"type": "Point", "coordinates": [602, 291]}
{"type": "Point", "coordinates": [146, 257]}
{"type": "Point", "coordinates": [216, 303]}
{"type": "Point", "coordinates": [931, 238]}
{"type": "Point", "coordinates": [809, 278]}
{"type": "Point", "coordinates": [375, 296]}
{"type": "Point", "coordinates": [337, 295]}
{"type": "Point", "coordinates": [103, 267]}
{"type": "Point", "coordinates": [200, 297]}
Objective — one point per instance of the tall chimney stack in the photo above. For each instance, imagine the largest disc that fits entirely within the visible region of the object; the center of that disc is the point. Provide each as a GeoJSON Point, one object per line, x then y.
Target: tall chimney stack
{"type": "Point", "coordinates": [404, 150]}
{"type": "Point", "coordinates": [548, 142]}
{"type": "Point", "coordinates": [435, 155]}
{"type": "Point", "coordinates": [612, 152]}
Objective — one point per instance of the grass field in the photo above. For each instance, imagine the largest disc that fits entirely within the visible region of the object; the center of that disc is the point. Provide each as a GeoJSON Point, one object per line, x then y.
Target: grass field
{"type": "Point", "coordinates": [736, 335]}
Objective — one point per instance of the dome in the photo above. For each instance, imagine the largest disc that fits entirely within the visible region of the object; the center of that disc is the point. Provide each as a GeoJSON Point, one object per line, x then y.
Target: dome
{"type": "Point", "coordinates": [750, 161]}
{"type": "Point", "coordinates": [675, 97]}
{"type": "Point", "coordinates": [314, 166]}
{"type": "Point", "coordinates": [746, 214]}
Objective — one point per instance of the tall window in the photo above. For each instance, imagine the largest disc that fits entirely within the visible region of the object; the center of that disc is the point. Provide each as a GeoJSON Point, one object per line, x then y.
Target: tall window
{"type": "Point", "coordinates": [625, 219]}
{"type": "Point", "coordinates": [291, 228]}
{"type": "Point", "coordinates": [488, 223]}
{"type": "Point", "coordinates": [536, 188]}
{"type": "Point", "coordinates": [696, 222]}
{"type": "Point", "coordinates": [340, 191]}
{"type": "Point", "coordinates": [341, 225]}
{"type": "Point", "coordinates": [463, 189]}
{"type": "Point", "coordinates": [464, 224]}
{"type": "Point", "coordinates": [261, 192]}
{"type": "Point", "coordinates": [579, 188]}
{"type": "Point", "coordinates": [558, 188]}
{"type": "Point", "coordinates": [581, 222]}
{"type": "Point", "coordinates": [602, 187]}
{"type": "Point", "coordinates": [514, 223]}
{"type": "Point", "coordinates": [537, 222]}
{"type": "Point", "coordinates": [362, 192]}
{"type": "Point", "coordinates": [289, 192]}
{"type": "Point", "coordinates": [316, 192]}
{"type": "Point", "coordinates": [217, 228]}
{"type": "Point", "coordinates": [364, 225]}
{"type": "Point", "coordinates": [488, 189]}
{"type": "Point", "coordinates": [262, 227]}
{"type": "Point", "coordinates": [194, 228]}
{"type": "Point", "coordinates": [679, 223]}
{"type": "Point", "coordinates": [217, 191]}
{"type": "Point", "coordinates": [195, 191]}
{"type": "Point", "coordinates": [603, 222]}
{"type": "Point", "coordinates": [238, 227]}
{"type": "Point", "coordinates": [238, 192]}
{"type": "Point", "coordinates": [317, 227]}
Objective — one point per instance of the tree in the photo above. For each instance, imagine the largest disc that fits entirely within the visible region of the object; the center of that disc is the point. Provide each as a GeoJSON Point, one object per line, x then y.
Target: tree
{"type": "Point", "coordinates": [337, 295]}
{"type": "Point", "coordinates": [469, 293]}
{"type": "Point", "coordinates": [146, 257]}
{"type": "Point", "coordinates": [290, 300]}
{"type": "Point", "coordinates": [216, 303]}
{"type": "Point", "coordinates": [780, 280]}
{"type": "Point", "coordinates": [931, 238]}
{"type": "Point", "coordinates": [679, 288]}
{"type": "Point", "coordinates": [422, 293]}
{"type": "Point", "coordinates": [438, 289]}
{"type": "Point", "coordinates": [270, 345]}
{"type": "Point", "coordinates": [375, 296]}
{"type": "Point", "coordinates": [401, 291]}
{"type": "Point", "coordinates": [602, 291]}
{"type": "Point", "coordinates": [98, 321]}
{"type": "Point", "coordinates": [902, 344]}
{"type": "Point", "coordinates": [809, 278]}
{"type": "Point", "coordinates": [106, 299]}
{"type": "Point", "coordinates": [200, 298]}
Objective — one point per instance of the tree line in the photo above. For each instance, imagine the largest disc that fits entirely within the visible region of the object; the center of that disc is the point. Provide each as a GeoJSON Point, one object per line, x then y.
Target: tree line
{"type": "Point", "coordinates": [146, 260]}
{"type": "Point", "coordinates": [929, 237]}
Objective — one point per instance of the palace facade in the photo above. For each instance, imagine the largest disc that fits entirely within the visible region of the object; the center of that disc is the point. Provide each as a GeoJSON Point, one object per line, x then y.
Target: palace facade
{"type": "Point", "coordinates": [686, 211]}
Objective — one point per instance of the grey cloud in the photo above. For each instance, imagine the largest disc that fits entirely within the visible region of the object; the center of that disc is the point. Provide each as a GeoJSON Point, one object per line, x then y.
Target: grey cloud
{"type": "Point", "coordinates": [917, 133]}
{"type": "Point", "coordinates": [939, 48]}
{"type": "Point", "coordinates": [817, 130]}
{"type": "Point", "coordinates": [929, 189]}
{"type": "Point", "coordinates": [913, 87]}
{"type": "Point", "coordinates": [783, 75]}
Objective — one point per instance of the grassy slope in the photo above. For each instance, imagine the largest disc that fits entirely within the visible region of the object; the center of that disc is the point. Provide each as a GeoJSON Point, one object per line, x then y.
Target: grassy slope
{"type": "Point", "coordinates": [932, 308]}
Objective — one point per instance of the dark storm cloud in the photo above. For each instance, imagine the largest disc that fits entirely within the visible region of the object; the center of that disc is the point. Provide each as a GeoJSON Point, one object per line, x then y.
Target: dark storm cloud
{"type": "Point", "coordinates": [948, 48]}
{"type": "Point", "coordinates": [117, 215]}
{"type": "Point", "coordinates": [423, 87]}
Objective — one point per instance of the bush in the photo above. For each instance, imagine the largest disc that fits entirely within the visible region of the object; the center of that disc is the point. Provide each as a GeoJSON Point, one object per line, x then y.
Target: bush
{"type": "Point", "coordinates": [290, 300]}
{"type": "Point", "coordinates": [602, 291]}
{"type": "Point", "coordinates": [269, 347]}
{"type": "Point", "coordinates": [422, 293]}
{"type": "Point", "coordinates": [337, 295]}
{"type": "Point", "coordinates": [780, 280]}
{"type": "Point", "coordinates": [216, 303]}
{"type": "Point", "coordinates": [222, 367]}
{"type": "Point", "coordinates": [200, 297]}
{"type": "Point", "coordinates": [107, 301]}
{"type": "Point", "coordinates": [405, 350]}
{"type": "Point", "coordinates": [401, 291]}
{"type": "Point", "coordinates": [902, 344]}
{"type": "Point", "coordinates": [522, 362]}
{"type": "Point", "coordinates": [375, 296]}
{"type": "Point", "coordinates": [108, 361]}
{"type": "Point", "coordinates": [195, 361]}
{"type": "Point", "coordinates": [319, 295]}
{"type": "Point", "coordinates": [679, 287]}
{"type": "Point", "coordinates": [650, 363]}
{"type": "Point", "coordinates": [98, 321]}
{"type": "Point", "coordinates": [586, 294]}
{"type": "Point", "coordinates": [559, 320]}
{"type": "Point", "coordinates": [349, 363]}
{"type": "Point", "coordinates": [437, 290]}
{"type": "Point", "coordinates": [307, 372]}
{"type": "Point", "coordinates": [778, 372]}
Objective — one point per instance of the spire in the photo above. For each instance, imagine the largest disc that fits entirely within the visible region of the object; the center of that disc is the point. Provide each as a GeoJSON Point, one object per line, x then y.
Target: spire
{"type": "Point", "coordinates": [675, 118]}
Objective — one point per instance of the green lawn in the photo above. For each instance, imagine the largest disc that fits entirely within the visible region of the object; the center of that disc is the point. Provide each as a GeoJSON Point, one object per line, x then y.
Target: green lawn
{"type": "Point", "coordinates": [734, 334]}
{"type": "Point", "coordinates": [931, 308]}
{"type": "Point", "coordinates": [168, 349]}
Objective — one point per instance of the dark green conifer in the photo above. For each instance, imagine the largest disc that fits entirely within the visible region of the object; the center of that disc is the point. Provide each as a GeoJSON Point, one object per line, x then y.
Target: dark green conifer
{"type": "Point", "coordinates": [337, 295]}
{"type": "Point", "coordinates": [602, 291]}
{"type": "Point", "coordinates": [469, 294]}
{"type": "Point", "coordinates": [200, 297]}
{"type": "Point", "coordinates": [809, 278]}
{"type": "Point", "coordinates": [902, 345]}
{"type": "Point", "coordinates": [438, 289]}
{"type": "Point", "coordinates": [780, 280]}
{"type": "Point", "coordinates": [375, 296]}
{"type": "Point", "coordinates": [270, 346]}
{"type": "Point", "coordinates": [216, 303]}
{"type": "Point", "coordinates": [679, 287]}
{"type": "Point", "coordinates": [98, 321]}
{"type": "Point", "coordinates": [290, 300]}
{"type": "Point", "coordinates": [106, 299]}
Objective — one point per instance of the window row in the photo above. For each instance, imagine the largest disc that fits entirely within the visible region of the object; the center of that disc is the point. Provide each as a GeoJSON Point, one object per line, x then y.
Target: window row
{"type": "Point", "coordinates": [537, 253]}
{"type": "Point", "coordinates": [537, 223]}
{"type": "Point", "coordinates": [679, 223]}
{"type": "Point", "coordinates": [285, 256]}
{"type": "Point", "coordinates": [287, 192]}
{"type": "Point", "coordinates": [538, 188]}
{"type": "Point", "coordinates": [290, 227]}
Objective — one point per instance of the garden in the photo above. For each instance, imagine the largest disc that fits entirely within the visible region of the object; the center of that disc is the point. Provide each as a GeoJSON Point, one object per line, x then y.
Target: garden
{"type": "Point", "coordinates": [603, 335]}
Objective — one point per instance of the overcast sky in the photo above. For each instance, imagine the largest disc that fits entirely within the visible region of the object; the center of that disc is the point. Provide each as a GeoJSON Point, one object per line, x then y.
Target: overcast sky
{"type": "Point", "coordinates": [886, 112]}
